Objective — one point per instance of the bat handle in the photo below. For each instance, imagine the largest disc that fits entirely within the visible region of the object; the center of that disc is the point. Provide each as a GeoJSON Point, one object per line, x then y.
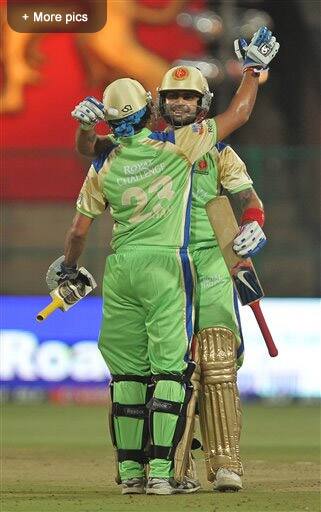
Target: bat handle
{"type": "Point", "coordinates": [56, 303]}
{"type": "Point", "coordinates": [255, 306]}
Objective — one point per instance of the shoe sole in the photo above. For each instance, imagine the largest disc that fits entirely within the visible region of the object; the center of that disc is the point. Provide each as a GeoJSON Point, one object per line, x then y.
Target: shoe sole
{"type": "Point", "coordinates": [187, 491]}
{"type": "Point", "coordinates": [163, 492]}
{"type": "Point", "coordinates": [228, 488]}
{"type": "Point", "coordinates": [133, 491]}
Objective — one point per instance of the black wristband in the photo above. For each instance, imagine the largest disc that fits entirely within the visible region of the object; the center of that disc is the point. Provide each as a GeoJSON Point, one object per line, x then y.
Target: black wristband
{"type": "Point", "coordinates": [68, 270]}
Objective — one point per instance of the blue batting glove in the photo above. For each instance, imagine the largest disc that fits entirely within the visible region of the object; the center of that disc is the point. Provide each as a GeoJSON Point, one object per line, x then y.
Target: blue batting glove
{"type": "Point", "coordinates": [261, 50]}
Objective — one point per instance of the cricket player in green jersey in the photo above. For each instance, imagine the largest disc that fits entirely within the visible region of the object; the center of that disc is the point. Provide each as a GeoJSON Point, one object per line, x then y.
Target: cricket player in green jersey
{"type": "Point", "coordinates": [146, 181]}
{"type": "Point", "coordinates": [217, 329]}
{"type": "Point", "coordinates": [183, 99]}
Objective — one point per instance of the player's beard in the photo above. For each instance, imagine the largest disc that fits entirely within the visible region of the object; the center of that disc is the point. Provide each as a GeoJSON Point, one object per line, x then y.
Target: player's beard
{"type": "Point", "coordinates": [181, 115]}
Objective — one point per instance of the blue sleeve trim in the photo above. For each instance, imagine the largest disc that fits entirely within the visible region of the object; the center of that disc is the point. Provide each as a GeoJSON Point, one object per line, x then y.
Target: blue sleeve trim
{"type": "Point", "coordinates": [220, 146]}
{"type": "Point", "coordinates": [99, 161]}
{"type": "Point", "coordinates": [188, 284]}
{"type": "Point", "coordinates": [187, 272]}
{"type": "Point", "coordinates": [163, 136]}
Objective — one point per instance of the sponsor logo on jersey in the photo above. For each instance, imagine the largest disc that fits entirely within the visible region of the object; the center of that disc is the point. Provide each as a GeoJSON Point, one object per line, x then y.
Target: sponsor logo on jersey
{"type": "Point", "coordinates": [210, 282]}
{"type": "Point", "coordinates": [210, 126]}
{"type": "Point", "coordinates": [180, 74]}
{"type": "Point", "coordinates": [201, 195]}
{"type": "Point", "coordinates": [197, 128]}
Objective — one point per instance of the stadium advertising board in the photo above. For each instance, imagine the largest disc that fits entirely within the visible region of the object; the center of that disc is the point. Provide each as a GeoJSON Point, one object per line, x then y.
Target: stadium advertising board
{"type": "Point", "coordinates": [62, 350]}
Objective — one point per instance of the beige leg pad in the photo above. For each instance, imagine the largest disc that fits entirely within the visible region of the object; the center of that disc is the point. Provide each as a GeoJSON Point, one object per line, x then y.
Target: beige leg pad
{"type": "Point", "coordinates": [183, 463]}
{"type": "Point", "coordinates": [220, 411]}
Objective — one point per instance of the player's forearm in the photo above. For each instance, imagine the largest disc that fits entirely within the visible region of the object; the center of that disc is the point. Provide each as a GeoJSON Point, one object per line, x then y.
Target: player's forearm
{"type": "Point", "coordinates": [240, 108]}
{"type": "Point", "coordinates": [85, 142]}
{"type": "Point", "coordinates": [243, 101]}
{"type": "Point", "coordinates": [74, 245]}
{"type": "Point", "coordinates": [76, 238]}
{"type": "Point", "coordinates": [251, 206]}
{"type": "Point", "coordinates": [91, 145]}
{"type": "Point", "coordinates": [248, 199]}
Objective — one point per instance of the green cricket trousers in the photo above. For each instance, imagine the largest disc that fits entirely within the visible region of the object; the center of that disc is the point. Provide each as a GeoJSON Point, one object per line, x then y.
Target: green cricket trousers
{"type": "Point", "coordinates": [145, 338]}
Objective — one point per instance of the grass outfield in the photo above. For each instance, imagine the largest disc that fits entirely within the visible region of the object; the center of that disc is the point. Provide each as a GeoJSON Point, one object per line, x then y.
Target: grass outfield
{"type": "Point", "coordinates": [58, 459]}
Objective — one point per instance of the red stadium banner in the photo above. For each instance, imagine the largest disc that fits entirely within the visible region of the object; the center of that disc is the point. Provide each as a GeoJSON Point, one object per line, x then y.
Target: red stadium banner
{"type": "Point", "coordinates": [45, 75]}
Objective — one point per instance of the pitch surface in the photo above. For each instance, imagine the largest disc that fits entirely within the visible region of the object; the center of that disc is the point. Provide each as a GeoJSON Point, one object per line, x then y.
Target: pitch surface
{"type": "Point", "coordinates": [60, 459]}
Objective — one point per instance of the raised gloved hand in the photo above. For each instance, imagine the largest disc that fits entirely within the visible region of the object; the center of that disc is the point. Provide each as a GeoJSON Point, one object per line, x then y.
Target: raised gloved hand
{"type": "Point", "coordinates": [250, 240]}
{"type": "Point", "coordinates": [89, 112]}
{"type": "Point", "coordinates": [259, 53]}
{"type": "Point", "coordinates": [58, 272]}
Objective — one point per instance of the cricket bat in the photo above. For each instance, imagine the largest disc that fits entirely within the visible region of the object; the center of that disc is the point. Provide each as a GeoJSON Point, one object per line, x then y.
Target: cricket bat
{"type": "Point", "coordinates": [67, 294]}
{"type": "Point", "coordinates": [246, 282]}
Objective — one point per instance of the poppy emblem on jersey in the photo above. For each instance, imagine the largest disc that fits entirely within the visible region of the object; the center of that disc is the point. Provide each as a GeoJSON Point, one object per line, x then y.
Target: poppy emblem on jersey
{"type": "Point", "coordinates": [180, 73]}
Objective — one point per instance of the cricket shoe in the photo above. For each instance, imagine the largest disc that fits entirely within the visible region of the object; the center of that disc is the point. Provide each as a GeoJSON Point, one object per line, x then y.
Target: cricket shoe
{"type": "Point", "coordinates": [188, 486]}
{"type": "Point", "coordinates": [227, 480]}
{"type": "Point", "coordinates": [134, 486]}
{"type": "Point", "coordinates": [160, 486]}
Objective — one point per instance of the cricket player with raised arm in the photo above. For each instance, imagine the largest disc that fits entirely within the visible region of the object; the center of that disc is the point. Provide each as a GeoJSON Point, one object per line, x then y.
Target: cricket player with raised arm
{"type": "Point", "coordinates": [218, 344]}
{"type": "Point", "coordinates": [183, 99]}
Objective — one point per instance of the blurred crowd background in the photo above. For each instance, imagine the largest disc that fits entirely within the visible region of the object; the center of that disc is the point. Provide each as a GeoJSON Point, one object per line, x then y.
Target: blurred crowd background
{"type": "Point", "coordinates": [45, 75]}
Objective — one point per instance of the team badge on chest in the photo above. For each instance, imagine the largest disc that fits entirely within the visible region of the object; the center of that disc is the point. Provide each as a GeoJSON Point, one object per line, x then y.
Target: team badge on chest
{"type": "Point", "coordinates": [201, 167]}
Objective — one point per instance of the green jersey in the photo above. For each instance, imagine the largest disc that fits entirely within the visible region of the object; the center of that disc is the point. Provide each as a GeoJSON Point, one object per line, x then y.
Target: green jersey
{"type": "Point", "coordinates": [220, 168]}
{"type": "Point", "coordinates": [146, 181]}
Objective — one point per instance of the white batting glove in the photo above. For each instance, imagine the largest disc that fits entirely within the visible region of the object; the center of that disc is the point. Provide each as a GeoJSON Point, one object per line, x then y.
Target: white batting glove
{"type": "Point", "coordinates": [89, 112]}
{"type": "Point", "coordinates": [58, 272]}
{"type": "Point", "coordinates": [261, 50]}
{"type": "Point", "coordinates": [250, 240]}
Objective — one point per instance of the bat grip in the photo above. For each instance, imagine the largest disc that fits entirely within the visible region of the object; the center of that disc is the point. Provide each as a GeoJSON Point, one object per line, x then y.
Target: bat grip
{"type": "Point", "coordinates": [255, 306]}
{"type": "Point", "coordinates": [56, 303]}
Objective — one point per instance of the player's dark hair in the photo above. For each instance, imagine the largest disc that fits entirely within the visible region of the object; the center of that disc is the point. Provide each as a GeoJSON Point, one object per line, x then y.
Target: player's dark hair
{"type": "Point", "coordinates": [144, 120]}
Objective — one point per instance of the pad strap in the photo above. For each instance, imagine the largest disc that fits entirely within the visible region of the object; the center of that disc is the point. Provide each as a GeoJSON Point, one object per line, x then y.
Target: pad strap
{"type": "Point", "coordinates": [136, 455]}
{"type": "Point", "coordinates": [180, 425]}
{"type": "Point", "coordinates": [159, 405]}
{"type": "Point", "coordinates": [161, 452]}
{"type": "Point", "coordinates": [132, 378]}
{"type": "Point", "coordinates": [137, 411]}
